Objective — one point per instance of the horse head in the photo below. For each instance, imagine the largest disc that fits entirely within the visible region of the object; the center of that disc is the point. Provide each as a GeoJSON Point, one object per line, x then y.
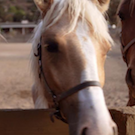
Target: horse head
{"type": "Point", "coordinates": [73, 41]}
{"type": "Point", "coordinates": [126, 14]}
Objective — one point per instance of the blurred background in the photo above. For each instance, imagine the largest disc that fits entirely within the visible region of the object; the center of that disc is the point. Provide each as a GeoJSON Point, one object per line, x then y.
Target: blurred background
{"type": "Point", "coordinates": [17, 21]}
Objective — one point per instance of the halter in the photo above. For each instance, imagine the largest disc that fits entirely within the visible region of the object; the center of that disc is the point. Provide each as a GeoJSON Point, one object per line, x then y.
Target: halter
{"type": "Point", "coordinates": [125, 48]}
{"type": "Point", "coordinates": [58, 98]}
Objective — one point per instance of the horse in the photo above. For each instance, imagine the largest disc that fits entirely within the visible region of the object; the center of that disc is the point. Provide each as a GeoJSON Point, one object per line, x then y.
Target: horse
{"type": "Point", "coordinates": [126, 13]}
{"type": "Point", "coordinates": [68, 54]}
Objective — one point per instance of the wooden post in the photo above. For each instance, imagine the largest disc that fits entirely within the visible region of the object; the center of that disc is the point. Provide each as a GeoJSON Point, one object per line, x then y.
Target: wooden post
{"type": "Point", "coordinates": [125, 120]}
{"type": "Point", "coordinates": [10, 30]}
{"type": "Point", "coordinates": [23, 31]}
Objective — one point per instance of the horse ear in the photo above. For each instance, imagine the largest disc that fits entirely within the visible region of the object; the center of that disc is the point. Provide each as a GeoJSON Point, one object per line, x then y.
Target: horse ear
{"type": "Point", "coordinates": [104, 4]}
{"type": "Point", "coordinates": [43, 5]}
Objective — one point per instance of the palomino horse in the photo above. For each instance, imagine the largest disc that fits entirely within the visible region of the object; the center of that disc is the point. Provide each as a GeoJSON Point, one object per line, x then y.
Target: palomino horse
{"type": "Point", "coordinates": [126, 13]}
{"type": "Point", "coordinates": [69, 50]}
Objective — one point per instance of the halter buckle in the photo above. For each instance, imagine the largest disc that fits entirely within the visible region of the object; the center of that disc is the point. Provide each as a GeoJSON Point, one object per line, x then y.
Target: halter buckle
{"type": "Point", "coordinates": [57, 115]}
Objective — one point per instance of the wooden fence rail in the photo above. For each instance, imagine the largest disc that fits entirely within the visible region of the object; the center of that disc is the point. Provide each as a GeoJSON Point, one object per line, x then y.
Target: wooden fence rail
{"type": "Point", "coordinates": [30, 122]}
{"type": "Point", "coordinates": [37, 122]}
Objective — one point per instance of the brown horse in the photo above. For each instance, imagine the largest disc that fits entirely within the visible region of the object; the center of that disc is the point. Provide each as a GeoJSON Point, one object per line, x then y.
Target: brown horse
{"type": "Point", "coordinates": [126, 13]}
{"type": "Point", "coordinates": [69, 50]}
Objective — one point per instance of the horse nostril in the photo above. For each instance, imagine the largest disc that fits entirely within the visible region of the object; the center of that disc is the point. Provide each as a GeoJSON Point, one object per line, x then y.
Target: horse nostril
{"type": "Point", "coordinates": [84, 131]}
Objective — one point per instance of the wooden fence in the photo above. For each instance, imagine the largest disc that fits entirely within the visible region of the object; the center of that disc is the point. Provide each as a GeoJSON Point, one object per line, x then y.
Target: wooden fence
{"type": "Point", "coordinates": [125, 120]}
{"type": "Point", "coordinates": [37, 122]}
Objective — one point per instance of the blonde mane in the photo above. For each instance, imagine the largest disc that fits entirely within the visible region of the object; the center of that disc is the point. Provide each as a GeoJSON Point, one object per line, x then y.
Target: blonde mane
{"type": "Point", "coordinates": [84, 9]}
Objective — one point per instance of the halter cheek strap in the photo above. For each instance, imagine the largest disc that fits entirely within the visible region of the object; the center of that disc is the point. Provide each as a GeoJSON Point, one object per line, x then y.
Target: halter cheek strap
{"type": "Point", "coordinates": [125, 48]}
{"type": "Point", "coordinates": [128, 45]}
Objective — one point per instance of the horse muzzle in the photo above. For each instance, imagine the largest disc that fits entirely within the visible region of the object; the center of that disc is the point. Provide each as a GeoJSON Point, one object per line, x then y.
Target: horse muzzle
{"type": "Point", "coordinates": [90, 116]}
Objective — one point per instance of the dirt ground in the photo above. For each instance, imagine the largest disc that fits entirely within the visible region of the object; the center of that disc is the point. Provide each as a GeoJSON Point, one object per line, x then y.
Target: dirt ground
{"type": "Point", "coordinates": [16, 80]}
{"type": "Point", "coordinates": [15, 77]}
{"type": "Point", "coordinates": [115, 89]}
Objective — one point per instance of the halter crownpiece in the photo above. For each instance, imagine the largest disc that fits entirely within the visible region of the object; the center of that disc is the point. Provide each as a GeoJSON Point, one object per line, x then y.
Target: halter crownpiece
{"type": "Point", "coordinates": [58, 98]}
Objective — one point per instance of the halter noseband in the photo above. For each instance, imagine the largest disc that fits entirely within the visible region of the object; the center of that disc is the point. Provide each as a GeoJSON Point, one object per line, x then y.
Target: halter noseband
{"type": "Point", "coordinates": [125, 48]}
{"type": "Point", "coordinates": [58, 98]}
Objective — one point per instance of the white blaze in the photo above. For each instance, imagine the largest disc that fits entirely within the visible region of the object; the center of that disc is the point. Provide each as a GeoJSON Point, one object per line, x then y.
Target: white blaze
{"type": "Point", "coordinates": [91, 99]}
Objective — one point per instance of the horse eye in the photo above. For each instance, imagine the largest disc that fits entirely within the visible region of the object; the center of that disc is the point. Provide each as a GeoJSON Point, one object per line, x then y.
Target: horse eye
{"type": "Point", "coordinates": [52, 46]}
{"type": "Point", "coordinates": [121, 16]}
